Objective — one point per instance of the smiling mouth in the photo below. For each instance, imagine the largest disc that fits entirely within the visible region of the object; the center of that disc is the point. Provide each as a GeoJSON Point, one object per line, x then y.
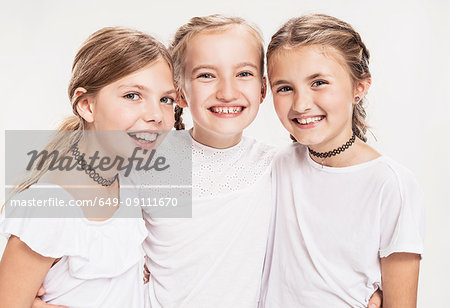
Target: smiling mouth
{"type": "Point", "coordinates": [305, 121]}
{"type": "Point", "coordinates": [143, 137]}
{"type": "Point", "coordinates": [227, 110]}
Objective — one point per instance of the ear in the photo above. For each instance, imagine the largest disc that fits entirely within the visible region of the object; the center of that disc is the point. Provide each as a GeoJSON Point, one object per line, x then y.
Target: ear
{"type": "Point", "coordinates": [361, 89]}
{"type": "Point", "coordinates": [181, 101]}
{"type": "Point", "coordinates": [84, 105]}
{"type": "Point", "coordinates": [263, 89]}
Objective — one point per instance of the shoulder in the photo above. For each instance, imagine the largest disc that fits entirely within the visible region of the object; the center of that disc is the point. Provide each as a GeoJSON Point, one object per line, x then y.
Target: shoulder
{"type": "Point", "coordinates": [178, 139]}
{"type": "Point", "coordinates": [258, 151]}
{"type": "Point", "coordinates": [395, 173]}
{"type": "Point", "coordinates": [402, 210]}
{"type": "Point", "coordinates": [293, 153]}
{"type": "Point", "coordinates": [398, 186]}
{"type": "Point", "coordinates": [32, 216]}
{"type": "Point", "coordinates": [39, 196]}
{"type": "Point", "coordinates": [257, 146]}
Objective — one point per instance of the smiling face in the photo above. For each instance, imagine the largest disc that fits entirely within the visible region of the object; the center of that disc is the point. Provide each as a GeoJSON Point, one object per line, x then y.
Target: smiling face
{"type": "Point", "coordinates": [140, 104]}
{"type": "Point", "coordinates": [222, 84]}
{"type": "Point", "coordinates": [313, 95]}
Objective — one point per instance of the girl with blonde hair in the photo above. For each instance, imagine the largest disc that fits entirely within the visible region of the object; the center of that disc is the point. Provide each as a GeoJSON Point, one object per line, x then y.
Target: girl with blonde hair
{"type": "Point", "coordinates": [122, 96]}
{"type": "Point", "coordinates": [215, 258]}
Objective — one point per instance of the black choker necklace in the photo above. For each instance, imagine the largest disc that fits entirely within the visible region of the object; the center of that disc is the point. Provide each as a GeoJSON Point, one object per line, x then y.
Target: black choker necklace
{"type": "Point", "coordinates": [334, 152]}
{"type": "Point", "coordinates": [88, 168]}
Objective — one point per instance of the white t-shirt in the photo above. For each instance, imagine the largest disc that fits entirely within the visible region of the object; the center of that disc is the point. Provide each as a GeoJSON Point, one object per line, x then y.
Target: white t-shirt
{"type": "Point", "coordinates": [215, 258]}
{"type": "Point", "coordinates": [101, 261]}
{"type": "Point", "coordinates": [331, 226]}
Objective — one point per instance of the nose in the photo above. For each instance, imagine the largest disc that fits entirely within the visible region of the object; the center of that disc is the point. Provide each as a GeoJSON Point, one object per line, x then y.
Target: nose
{"type": "Point", "coordinates": [302, 102]}
{"type": "Point", "coordinates": [226, 90]}
{"type": "Point", "coordinates": [152, 112]}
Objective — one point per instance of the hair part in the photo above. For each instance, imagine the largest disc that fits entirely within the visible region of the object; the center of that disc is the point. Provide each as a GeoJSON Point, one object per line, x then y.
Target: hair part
{"type": "Point", "coordinates": [204, 24]}
{"type": "Point", "coordinates": [320, 29]}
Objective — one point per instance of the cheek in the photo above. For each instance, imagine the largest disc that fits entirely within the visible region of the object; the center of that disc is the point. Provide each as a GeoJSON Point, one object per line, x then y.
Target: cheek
{"type": "Point", "coordinates": [194, 107]}
{"type": "Point", "coordinates": [169, 119]}
{"type": "Point", "coordinates": [335, 102]}
{"type": "Point", "coordinates": [109, 109]}
{"type": "Point", "coordinates": [282, 107]}
{"type": "Point", "coordinates": [198, 91]}
{"type": "Point", "coordinates": [122, 118]}
{"type": "Point", "coordinates": [106, 118]}
{"type": "Point", "coordinates": [253, 91]}
{"type": "Point", "coordinates": [197, 113]}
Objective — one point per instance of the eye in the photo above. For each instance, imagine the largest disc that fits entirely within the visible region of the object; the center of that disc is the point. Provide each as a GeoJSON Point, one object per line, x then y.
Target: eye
{"type": "Point", "coordinates": [205, 75]}
{"type": "Point", "coordinates": [132, 96]}
{"type": "Point", "coordinates": [284, 89]}
{"type": "Point", "coordinates": [245, 74]}
{"type": "Point", "coordinates": [319, 83]}
{"type": "Point", "coordinates": [167, 100]}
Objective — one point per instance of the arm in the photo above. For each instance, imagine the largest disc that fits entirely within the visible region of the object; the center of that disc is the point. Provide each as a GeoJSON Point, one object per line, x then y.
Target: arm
{"type": "Point", "coordinates": [376, 300]}
{"type": "Point", "coordinates": [22, 272]}
{"type": "Point", "coordinates": [399, 276]}
{"type": "Point", "coordinates": [38, 303]}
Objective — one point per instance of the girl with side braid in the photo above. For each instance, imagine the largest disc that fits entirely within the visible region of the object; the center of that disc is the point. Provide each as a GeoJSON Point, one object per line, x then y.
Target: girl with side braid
{"type": "Point", "coordinates": [348, 220]}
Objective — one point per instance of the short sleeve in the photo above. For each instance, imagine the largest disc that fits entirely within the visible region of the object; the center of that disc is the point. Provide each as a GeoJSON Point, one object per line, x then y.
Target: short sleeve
{"type": "Point", "coordinates": [49, 237]}
{"type": "Point", "coordinates": [402, 214]}
{"type": "Point", "coordinates": [94, 249]}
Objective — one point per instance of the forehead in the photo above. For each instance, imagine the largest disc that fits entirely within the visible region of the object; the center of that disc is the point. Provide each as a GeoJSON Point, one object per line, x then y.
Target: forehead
{"type": "Point", "coordinates": [307, 57]}
{"type": "Point", "coordinates": [229, 44]}
{"type": "Point", "coordinates": [154, 75]}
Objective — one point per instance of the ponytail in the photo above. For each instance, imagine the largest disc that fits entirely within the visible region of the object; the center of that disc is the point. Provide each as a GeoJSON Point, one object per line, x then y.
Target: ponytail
{"type": "Point", "coordinates": [67, 135]}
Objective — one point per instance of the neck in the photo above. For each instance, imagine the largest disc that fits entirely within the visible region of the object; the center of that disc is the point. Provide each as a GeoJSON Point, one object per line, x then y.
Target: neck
{"type": "Point", "coordinates": [338, 161]}
{"type": "Point", "coordinates": [334, 154]}
{"type": "Point", "coordinates": [216, 141]}
{"type": "Point", "coordinates": [358, 153]}
{"type": "Point", "coordinates": [93, 153]}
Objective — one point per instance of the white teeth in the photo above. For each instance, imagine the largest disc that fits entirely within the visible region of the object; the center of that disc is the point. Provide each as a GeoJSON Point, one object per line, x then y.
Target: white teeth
{"type": "Point", "coordinates": [149, 137]}
{"type": "Point", "coordinates": [226, 109]}
{"type": "Point", "coordinates": [309, 120]}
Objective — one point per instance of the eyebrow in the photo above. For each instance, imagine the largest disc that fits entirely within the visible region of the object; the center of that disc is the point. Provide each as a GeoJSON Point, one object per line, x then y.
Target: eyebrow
{"type": "Point", "coordinates": [143, 88]}
{"type": "Point", "coordinates": [278, 82]}
{"type": "Point", "coordinates": [313, 76]}
{"type": "Point", "coordinates": [138, 86]}
{"type": "Point", "coordinates": [200, 67]}
{"type": "Point", "coordinates": [170, 92]}
{"type": "Point", "coordinates": [247, 64]}
{"type": "Point", "coordinates": [212, 67]}
{"type": "Point", "coordinates": [310, 77]}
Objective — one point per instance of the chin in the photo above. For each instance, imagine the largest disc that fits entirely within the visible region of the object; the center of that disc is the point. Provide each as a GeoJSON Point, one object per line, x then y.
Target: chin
{"type": "Point", "coordinates": [305, 140]}
{"type": "Point", "coordinates": [229, 130]}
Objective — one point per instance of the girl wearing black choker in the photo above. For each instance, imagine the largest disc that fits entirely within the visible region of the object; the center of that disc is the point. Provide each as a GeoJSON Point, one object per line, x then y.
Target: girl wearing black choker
{"type": "Point", "coordinates": [348, 220]}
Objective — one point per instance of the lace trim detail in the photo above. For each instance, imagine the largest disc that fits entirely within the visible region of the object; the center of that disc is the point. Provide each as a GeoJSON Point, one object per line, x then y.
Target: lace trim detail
{"type": "Point", "coordinates": [221, 171]}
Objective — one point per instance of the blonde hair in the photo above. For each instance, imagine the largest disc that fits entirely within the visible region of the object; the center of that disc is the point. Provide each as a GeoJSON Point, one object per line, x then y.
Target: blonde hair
{"type": "Point", "coordinates": [196, 25]}
{"type": "Point", "coordinates": [320, 29]}
{"type": "Point", "coordinates": [106, 56]}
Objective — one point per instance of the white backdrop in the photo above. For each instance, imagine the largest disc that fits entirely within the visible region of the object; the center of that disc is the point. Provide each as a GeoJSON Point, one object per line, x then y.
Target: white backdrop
{"type": "Point", "coordinates": [408, 102]}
